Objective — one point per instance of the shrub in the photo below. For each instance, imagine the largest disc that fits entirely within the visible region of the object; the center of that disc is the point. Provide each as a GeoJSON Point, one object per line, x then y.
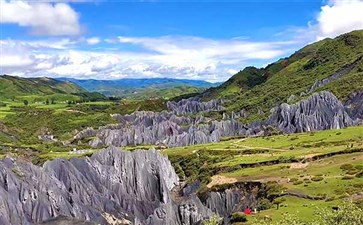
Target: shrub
{"type": "Point", "coordinates": [347, 178]}
{"type": "Point", "coordinates": [214, 220]}
{"type": "Point", "coordinates": [359, 175]}
{"type": "Point", "coordinates": [352, 172]}
{"type": "Point", "coordinates": [263, 204]}
{"type": "Point", "coordinates": [297, 182]}
{"type": "Point", "coordinates": [347, 167]}
{"type": "Point", "coordinates": [238, 217]}
{"type": "Point", "coordinates": [359, 167]}
{"type": "Point", "coordinates": [294, 179]}
{"type": "Point", "coordinates": [316, 179]}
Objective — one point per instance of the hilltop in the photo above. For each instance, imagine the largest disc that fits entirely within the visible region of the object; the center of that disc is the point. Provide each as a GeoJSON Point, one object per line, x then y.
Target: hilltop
{"type": "Point", "coordinates": [14, 88]}
{"type": "Point", "coordinates": [334, 65]}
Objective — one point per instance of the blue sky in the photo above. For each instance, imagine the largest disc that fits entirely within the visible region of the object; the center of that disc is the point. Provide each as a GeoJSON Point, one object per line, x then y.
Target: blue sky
{"type": "Point", "coordinates": [194, 40]}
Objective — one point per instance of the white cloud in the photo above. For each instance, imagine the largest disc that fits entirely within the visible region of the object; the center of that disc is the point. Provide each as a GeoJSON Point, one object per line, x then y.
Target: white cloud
{"type": "Point", "coordinates": [340, 16]}
{"type": "Point", "coordinates": [93, 40]}
{"type": "Point", "coordinates": [170, 56]}
{"type": "Point", "coordinates": [42, 18]}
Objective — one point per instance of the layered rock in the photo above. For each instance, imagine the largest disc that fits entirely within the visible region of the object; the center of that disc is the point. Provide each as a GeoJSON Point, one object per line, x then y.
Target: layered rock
{"type": "Point", "coordinates": [164, 128]}
{"type": "Point", "coordinates": [194, 105]}
{"type": "Point", "coordinates": [320, 111]}
{"type": "Point", "coordinates": [128, 187]}
{"type": "Point", "coordinates": [354, 105]}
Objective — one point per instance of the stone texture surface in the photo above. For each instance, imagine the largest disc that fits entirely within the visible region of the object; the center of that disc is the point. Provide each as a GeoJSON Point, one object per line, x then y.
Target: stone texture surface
{"type": "Point", "coordinates": [320, 111]}
{"type": "Point", "coordinates": [194, 105]}
{"type": "Point", "coordinates": [133, 187]}
{"type": "Point", "coordinates": [173, 128]}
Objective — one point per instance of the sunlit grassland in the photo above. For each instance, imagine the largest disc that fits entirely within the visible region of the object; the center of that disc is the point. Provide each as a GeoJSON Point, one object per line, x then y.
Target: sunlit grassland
{"type": "Point", "coordinates": [306, 164]}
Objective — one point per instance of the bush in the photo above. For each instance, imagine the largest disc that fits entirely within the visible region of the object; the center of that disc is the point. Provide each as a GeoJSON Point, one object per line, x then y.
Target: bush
{"type": "Point", "coordinates": [347, 178]}
{"type": "Point", "coordinates": [316, 179]}
{"type": "Point", "coordinates": [297, 182]}
{"type": "Point", "coordinates": [352, 172]}
{"type": "Point", "coordinates": [294, 179]}
{"type": "Point", "coordinates": [263, 204]}
{"type": "Point", "coordinates": [238, 217]}
{"type": "Point", "coordinates": [347, 167]}
{"type": "Point", "coordinates": [359, 175]}
{"type": "Point", "coordinates": [214, 220]}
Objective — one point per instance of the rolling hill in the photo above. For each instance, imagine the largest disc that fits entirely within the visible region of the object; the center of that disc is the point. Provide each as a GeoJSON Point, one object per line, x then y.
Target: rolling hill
{"type": "Point", "coordinates": [335, 65]}
{"type": "Point", "coordinates": [18, 88]}
{"type": "Point", "coordinates": [143, 88]}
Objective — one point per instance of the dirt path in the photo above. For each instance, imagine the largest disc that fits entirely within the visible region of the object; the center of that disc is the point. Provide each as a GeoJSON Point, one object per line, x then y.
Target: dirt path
{"type": "Point", "coordinates": [218, 180]}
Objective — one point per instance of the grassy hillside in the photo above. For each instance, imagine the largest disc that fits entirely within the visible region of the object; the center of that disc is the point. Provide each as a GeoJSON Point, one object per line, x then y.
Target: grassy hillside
{"type": "Point", "coordinates": [253, 89]}
{"type": "Point", "coordinates": [12, 87]}
{"type": "Point", "coordinates": [15, 91]}
{"type": "Point", "coordinates": [315, 169]}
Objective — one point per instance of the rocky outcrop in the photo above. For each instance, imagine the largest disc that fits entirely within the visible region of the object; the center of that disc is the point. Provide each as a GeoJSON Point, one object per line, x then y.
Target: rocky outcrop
{"type": "Point", "coordinates": [194, 105]}
{"type": "Point", "coordinates": [354, 105]}
{"type": "Point", "coordinates": [320, 111]}
{"type": "Point", "coordinates": [164, 128]}
{"type": "Point", "coordinates": [129, 187]}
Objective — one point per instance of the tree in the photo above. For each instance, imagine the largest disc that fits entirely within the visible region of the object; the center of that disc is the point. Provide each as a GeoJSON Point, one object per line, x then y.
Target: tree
{"type": "Point", "coordinates": [47, 101]}
{"type": "Point", "coordinates": [278, 201]}
{"type": "Point", "coordinates": [26, 102]}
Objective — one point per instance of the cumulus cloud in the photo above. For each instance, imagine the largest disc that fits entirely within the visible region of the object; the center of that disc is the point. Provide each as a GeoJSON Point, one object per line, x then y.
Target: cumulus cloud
{"type": "Point", "coordinates": [167, 56]}
{"type": "Point", "coordinates": [340, 16]}
{"type": "Point", "coordinates": [42, 18]}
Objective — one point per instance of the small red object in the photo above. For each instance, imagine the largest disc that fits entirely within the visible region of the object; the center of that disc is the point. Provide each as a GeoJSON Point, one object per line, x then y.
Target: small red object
{"type": "Point", "coordinates": [247, 211]}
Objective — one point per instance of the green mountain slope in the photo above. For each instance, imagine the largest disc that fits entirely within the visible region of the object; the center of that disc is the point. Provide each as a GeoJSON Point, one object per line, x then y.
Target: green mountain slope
{"type": "Point", "coordinates": [258, 90]}
{"type": "Point", "coordinates": [37, 90]}
{"type": "Point", "coordinates": [11, 87]}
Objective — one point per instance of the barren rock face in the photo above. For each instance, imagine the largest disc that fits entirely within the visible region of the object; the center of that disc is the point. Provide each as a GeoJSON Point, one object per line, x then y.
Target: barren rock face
{"type": "Point", "coordinates": [194, 105]}
{"type": "Point", "coordinates": [173, 128]}
{"type": "Point", "coordinates": [112, 185]}
{"type": "Point", "coordinates": [165, 128]}
{"type": "Point", "coordinates": [320, 111]}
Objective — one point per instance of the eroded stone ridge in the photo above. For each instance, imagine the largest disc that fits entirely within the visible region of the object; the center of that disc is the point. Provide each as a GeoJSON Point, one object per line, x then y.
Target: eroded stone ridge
{"type": "Point", "coordinates": [194, 105]}
{"type": "Point", "coordinates": [320, 111]}
{"type": "Point", "coordinates": [128, 187]}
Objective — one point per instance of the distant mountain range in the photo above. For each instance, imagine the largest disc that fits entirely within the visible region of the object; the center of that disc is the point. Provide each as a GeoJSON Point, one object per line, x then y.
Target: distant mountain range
{"type": "Point", "coordinates": [143, 88]}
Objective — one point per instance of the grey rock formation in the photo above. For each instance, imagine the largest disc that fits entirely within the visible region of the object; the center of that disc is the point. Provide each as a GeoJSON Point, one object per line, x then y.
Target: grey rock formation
{"type": "Point", "coordinates": [354, 105]}
{"type": "Point", "coordinates": [194, 105]}
{"type": "Point", "coordinates": [164, 128]}
{"type": "Point", "coordinates": [129, 187]}
{"type": "Point", "coordinates": [320, 111]}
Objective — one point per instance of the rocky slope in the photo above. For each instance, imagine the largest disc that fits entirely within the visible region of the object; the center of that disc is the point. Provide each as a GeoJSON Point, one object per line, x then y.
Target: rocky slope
{"type": "Point", "coordinates": [176, 127]}
{"type": "Point", "coordinates": [320, 111]}
{"type": "Point", "coordinates": [111, 187]}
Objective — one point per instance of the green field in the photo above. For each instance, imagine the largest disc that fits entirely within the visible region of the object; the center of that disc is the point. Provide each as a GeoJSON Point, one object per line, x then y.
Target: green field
{"type": "Point", "coordinates": [307, 164]}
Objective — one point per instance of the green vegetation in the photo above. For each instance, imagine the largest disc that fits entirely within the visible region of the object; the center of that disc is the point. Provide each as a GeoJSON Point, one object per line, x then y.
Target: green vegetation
{"type": "Point", "coordinates": [12, 87]}
{"type": "Point", "coordinates": [258, 90]}
{"type": "Point", "coordinates": [319, 171]}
